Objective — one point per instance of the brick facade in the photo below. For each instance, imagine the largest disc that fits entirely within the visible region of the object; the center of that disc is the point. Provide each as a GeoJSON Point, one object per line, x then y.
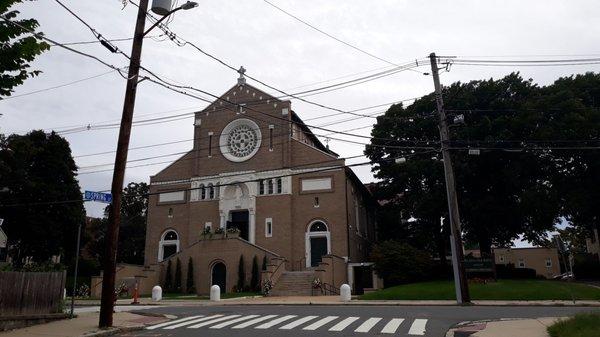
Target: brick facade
{"type": "Point", "coordinates": [288, 151]}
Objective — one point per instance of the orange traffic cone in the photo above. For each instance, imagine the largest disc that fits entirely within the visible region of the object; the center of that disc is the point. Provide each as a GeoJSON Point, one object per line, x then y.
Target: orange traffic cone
{"type": "Point", "coordinates": [136, 294]}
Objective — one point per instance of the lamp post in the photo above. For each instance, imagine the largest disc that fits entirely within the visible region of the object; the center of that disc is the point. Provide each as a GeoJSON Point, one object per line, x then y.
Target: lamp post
{"type": "Point", "coordinates": [114, 217]}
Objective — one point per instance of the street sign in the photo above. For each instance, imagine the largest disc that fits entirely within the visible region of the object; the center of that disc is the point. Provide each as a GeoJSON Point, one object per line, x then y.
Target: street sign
{"type": "Point", "coordinates": [98, 196]}
{"type": "Point", "coordinates": [479, 265]}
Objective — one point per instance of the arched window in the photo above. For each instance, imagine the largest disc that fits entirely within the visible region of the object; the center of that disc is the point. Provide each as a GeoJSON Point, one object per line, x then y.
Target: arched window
{"type": "Point", "coordinates": [202, 192]}
{"type": "Point", "coordinates": [261, 187]}
{"type": "Point", "coordinates": [318, 226]}
{"type": "Point", "coordinates": [168, 245]}
{"type": "Point", "coordinates": [217, 190]}
{"type": "Point", "coordinates": [211, 191]}
{"type": "Point", "coordinates": [270, 186]}
{"type": "Point", "coordinates": [279, 186]}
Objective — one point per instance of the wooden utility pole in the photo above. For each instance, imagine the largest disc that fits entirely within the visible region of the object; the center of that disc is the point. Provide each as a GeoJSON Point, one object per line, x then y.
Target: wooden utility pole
{"type": "Point", "coordinates": [114, 216]}
{"type": "Point", "coordinates": [460, 277]}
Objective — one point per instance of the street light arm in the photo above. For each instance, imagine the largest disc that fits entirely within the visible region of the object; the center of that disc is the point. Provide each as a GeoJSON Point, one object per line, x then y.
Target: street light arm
{"type": "Point", "coordinates": [162, 19]}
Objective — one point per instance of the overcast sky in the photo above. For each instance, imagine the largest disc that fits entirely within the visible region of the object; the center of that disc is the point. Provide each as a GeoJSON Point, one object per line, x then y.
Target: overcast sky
{"type": "Point", "coordinates": [284, 53]}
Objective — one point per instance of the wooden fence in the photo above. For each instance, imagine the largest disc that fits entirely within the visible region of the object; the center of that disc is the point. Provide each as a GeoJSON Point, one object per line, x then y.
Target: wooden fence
{"type": "Point", "coordinates": [31, 293]}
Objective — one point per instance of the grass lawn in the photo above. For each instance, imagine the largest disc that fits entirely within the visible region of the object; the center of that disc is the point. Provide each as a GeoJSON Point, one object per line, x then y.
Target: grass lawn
{"type": "Point", "coordinates": [582, 325]}
{"type": "Point", "coordinates": [500, 290]}
{"type": "Point", "coordinates": [171, 296]}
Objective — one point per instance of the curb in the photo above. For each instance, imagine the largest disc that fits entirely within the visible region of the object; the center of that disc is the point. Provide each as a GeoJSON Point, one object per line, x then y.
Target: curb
{"type": "Point", "coordinates": [113, 331]}
{"type": "Point", "coordinates": [357, 303]}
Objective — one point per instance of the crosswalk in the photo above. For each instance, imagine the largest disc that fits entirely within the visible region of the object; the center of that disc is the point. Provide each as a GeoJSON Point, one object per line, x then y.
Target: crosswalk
{"type": "Point", "coordinates": [288, 322]}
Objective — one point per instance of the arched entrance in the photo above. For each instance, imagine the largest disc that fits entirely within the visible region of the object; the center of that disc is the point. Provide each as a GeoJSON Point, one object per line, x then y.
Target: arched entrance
{"type": "Point", "coordinates": [219, 276]}
{"type": "Point", "coordinates": [318, 243]}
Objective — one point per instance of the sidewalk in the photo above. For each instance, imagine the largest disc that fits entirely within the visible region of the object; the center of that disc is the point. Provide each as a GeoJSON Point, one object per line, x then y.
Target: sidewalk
{"type": "Point", "coordinates": [514, 328]}
{"type": "Point", "coordinates": [85, 324]}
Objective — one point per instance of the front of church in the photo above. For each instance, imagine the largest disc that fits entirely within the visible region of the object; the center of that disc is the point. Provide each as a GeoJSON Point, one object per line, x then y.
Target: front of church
{"type": "Point", "coordinates": [258, 183]}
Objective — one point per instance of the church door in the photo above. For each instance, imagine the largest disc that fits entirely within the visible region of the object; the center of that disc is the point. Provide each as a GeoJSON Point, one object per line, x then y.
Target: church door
{"type": "Point", "coordinates": [318, 248]}
{"type": "Point", "coordinates": [239, 220]}
{"type": "Point", "coordinates": [219, 276]}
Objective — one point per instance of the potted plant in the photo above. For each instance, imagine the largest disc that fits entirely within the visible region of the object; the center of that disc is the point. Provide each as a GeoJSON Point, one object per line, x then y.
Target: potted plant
{"type": "Point", "coordinates": [219, 232]}
{"type": "Point", "coordinates": [267, 286]}
{"type": "Point", "coordinates": [206, 233]}
{"type": "Point", "coordinates": [233, 232]}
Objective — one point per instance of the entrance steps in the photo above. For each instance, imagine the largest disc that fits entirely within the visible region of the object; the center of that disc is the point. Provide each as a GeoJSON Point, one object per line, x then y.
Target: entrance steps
{"type": "Point", "coordinates": [294, 283]}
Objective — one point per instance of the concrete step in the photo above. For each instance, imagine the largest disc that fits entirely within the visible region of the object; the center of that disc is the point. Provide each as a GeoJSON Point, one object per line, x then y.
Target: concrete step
{"type": "Point", "coordinates": [294, 283]}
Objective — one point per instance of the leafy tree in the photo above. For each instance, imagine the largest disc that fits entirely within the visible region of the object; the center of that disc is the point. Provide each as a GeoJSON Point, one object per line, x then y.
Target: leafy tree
{"type": "Point", "coordinates": [255, 280]}
{"type": "Point", "coordinates": [40, 198]}
{"type": "Point", "coordinates": [168, 284]}
{"type": "Point", "coordinates": [501, 194]}
{"type": "Point", "coordinates": [241, 282]}
{"type": "Point", "coordinates": [19, 47]}
{"type": "Point", "coordinates": [189, 284]}
{"type": "Point", "coordinates": [399, 263]}
{"type": "Point", "coordinates": [177, 283]}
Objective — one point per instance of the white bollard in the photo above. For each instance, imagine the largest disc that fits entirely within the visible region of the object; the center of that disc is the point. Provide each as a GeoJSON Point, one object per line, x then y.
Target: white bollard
{"type": "Point", "coordinates": [345, 293]}
{"type": "Point", "coordinates": [156, 293]}
{"type": "Point", "coordinates": [215, 293]}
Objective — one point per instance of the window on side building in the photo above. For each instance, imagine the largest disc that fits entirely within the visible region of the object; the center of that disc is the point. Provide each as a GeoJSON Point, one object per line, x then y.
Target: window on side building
{"type": "Point", "coordinates": [268, 227]}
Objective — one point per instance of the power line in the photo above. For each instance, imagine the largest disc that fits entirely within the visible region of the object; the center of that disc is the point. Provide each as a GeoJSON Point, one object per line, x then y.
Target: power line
{"type": "Point", "coordinates": [331, 36]}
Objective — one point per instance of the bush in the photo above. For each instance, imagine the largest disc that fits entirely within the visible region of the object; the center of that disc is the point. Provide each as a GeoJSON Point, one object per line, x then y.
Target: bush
{"type": "Point", "coordinates": [508, 271]}
{"type": "Point", "coordinates": [177, 283]}
{"type": "Point", "coordinates": [399, 263]}
{"type": "Point", "coordinates": [168, 285]}
{"type": "Point", "coordinates": [586, 266]}
{"type": "Point", "coordinates": [255, 280]}
{"type": "Point", "coordinates": [241, 283]}
{"type": "Point", "coordinates": [264, 264]}
{"type": "Point", "coordinates": [189, 283]}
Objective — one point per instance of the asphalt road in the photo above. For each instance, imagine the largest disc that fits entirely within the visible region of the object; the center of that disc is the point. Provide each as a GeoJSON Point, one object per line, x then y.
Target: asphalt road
{"type": "Point", "coordinates": [314, 320]}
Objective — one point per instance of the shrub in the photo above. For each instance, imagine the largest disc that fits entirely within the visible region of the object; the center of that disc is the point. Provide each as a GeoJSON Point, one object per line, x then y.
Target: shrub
{"type": "Point", "coordinates": [177, 283]}
{"type": "Point", "coordinates": [264, 264]}
{"type": "Point", "coordinates": [241, 283]}
{"type": "Point", "coordinates": [168, 285]}
{"type": "Point", "coordinates": [399, 263]}
{"type": "Point", "coordinates": [189, 282]}
{"type": "Point", "coordinates": [255, 280]}
{"type": "Point", "coordinates": [586, 266]}
{"type": "Point", "coordinates": [508, 271]}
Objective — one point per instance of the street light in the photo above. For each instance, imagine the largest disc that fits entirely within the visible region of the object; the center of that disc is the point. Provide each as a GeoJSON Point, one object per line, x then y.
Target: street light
{"type": "Point", "coordinates": [114, 216]}
{"type": "Point", "coordinates": [158, 8]}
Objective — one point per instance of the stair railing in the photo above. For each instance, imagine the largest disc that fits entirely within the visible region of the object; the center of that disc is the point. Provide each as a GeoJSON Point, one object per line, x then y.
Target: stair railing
{"type": "Point", "coordinates": [329, 289]}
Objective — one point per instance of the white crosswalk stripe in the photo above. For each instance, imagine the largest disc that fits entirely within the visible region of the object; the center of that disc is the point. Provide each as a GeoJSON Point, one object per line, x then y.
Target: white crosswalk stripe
{"type": "Point", "coordinates": [252, 322]}
{"type": "Point", "coordinates": [298, 322]}
{"type": "Point", "coordinates": [172, 322]}
{"type": "Point", "coordinates": [212, 321]}
{"type": "Point", "coordinates": [275, 322]}
{"type": "Point", "coordinates": [418, 327]}
{"type": "Point", "coordinates": [233, 321]}
{"type": "Point", "coordinates": [392, 325]}
{"type": "Point", "coordinates": [320, 323]}
{"type": "Point", "coordinates": [343, 324]}
{"type": "Point", "coordinates": [368, 324]}
{"type": "Point", "coordinates": [171, 327]}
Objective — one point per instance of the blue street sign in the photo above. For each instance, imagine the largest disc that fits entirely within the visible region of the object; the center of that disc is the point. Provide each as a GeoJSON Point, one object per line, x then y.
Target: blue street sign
{"type": "Point", "coordinates": [98, 196]}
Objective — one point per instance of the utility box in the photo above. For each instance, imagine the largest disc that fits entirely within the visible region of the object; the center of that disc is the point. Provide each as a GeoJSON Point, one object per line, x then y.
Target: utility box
{"type": "Point", "coordinates": [162, 7]}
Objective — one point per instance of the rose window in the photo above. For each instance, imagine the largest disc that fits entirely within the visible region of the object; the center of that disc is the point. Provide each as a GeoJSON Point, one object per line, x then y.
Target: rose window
{"type": "Point", "coordinates": [241, 141]}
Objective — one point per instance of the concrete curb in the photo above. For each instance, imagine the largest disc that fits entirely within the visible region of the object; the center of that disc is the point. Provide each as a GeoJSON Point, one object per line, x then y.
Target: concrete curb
{"type": "Point", "coordinates": [396, 304]}
{"type": "Point", "coordinates": [113, 331]}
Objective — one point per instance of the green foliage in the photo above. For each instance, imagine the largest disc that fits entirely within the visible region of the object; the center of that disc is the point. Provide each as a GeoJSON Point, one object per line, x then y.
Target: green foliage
{"type": "Point", "coordinates": [189, 283]}
{"type": "Point", "coordinates": [177, 282]}
{"type": "Point", "coordinates": [264, 263]}
{"type": "Point", "coordinates": [255, 280]}
{"type": "Point", "coordinates": [399, 263]}
{"type": "Point", "coordinates": [241, 281]}
{"type": "Point", "coordinates": [34, 169]}
{"type": "Point", "coordinates": [502, 290]}
{"type": "Point", "coordinates": [19, 47]}
{"type": "Point", "coordinates": [501, 194]}
{"type": "Point", "coordinates": [582, 325]}
{"type": "Point", "coordinates": [168, 283]}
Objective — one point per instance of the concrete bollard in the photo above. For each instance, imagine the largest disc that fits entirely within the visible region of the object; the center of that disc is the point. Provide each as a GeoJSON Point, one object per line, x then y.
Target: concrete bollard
{"type": "Point", "coordinates": [156, 293]}
{"type": "Point", "coordinates": [215, 293]}
{"type": "Point", "coordinates": [345, 293]}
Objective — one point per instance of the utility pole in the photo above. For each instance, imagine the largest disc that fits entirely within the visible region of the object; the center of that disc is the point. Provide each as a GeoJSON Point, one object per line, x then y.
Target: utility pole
{"type": "Point", "coordinates": [114, 217]}
{"type": "Point", "coordinates": [460, 277]}
{"type": "Point", "coordinates": [76, 270]}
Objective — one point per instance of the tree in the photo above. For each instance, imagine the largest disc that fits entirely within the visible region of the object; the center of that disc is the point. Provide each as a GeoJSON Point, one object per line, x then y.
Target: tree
{"type": "Point", "coordinates": [255, 280]}
{"type": "Point", "coordinates": [41, 200]}
{"type": "Point", "coordinates": [19, 47]}
{"type": "Point", "coordinates": [189, 284]}
{"type": "Point", "coordinates": [264, 263]}
{"type": "Point", "coordinates": [501, 194]}
{"type": "Point", "coordinates": [177, 283]}
{"type": "Point", "coordinates": [168, 284]}
{"type": "Point", "coordinates": [241, 282]}
{"type": "Point", "coordinates": [399, 263]}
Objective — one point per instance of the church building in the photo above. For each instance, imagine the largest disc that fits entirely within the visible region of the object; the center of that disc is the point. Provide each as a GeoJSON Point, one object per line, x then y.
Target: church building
{"type": "Point", "coordinates": [259, 184]}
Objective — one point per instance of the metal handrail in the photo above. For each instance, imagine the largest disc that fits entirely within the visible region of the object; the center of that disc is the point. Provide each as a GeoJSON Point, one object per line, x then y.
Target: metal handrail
{"type": "Point", "coordinates": [329, 289]}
